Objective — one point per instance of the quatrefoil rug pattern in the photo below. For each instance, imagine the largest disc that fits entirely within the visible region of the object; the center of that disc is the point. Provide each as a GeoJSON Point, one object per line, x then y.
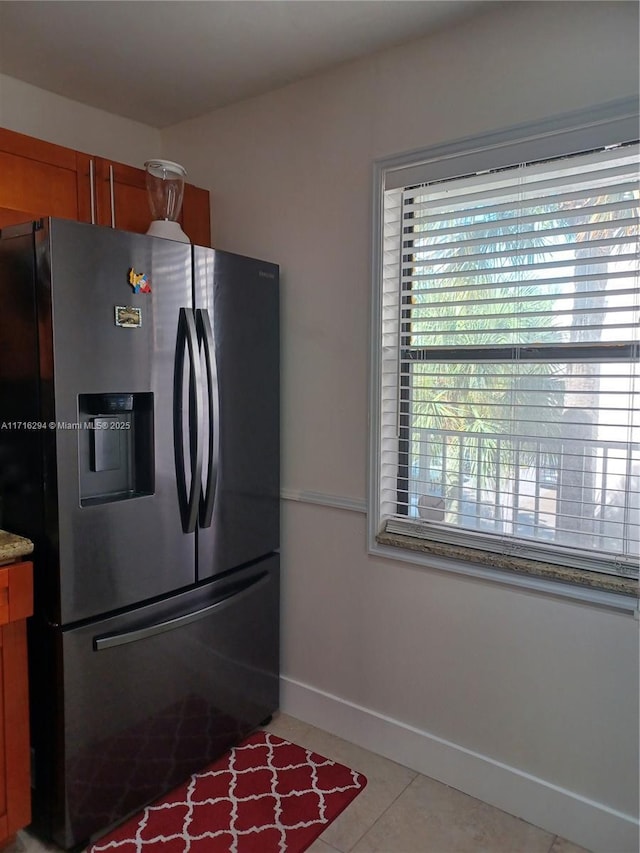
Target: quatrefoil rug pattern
{"type": "Point", "coordinates": [265, 796]}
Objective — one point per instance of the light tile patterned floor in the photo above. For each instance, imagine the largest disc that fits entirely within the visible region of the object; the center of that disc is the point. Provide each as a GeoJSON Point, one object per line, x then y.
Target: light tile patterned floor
{"type": "Point", "coordinates": [399, 811]}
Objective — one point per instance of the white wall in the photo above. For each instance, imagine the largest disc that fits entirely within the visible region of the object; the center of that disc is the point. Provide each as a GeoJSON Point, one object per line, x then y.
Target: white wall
{"type": "Point", "coordinates": [27, 109]}
{"type": "Point", "coordinates": [528, 701]}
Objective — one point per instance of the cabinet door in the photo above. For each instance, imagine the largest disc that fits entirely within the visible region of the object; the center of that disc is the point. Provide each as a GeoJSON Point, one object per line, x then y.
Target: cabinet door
{"type": "Point", "coordinates": [16, 595]}
{"type": "Point", "coordinates": [36, 179]}
{"type": "Point", "coordinates": [196, 218]}
{"type": "Point", "coordinates": [4, 826]}
{"type": "Point", "coordinates": [121, 197]}
{"type": "Point", "coordinates": [16, 784]}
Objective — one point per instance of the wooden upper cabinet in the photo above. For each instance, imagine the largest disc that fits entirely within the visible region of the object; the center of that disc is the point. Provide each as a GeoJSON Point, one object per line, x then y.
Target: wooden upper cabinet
{"type": "Point", "coordinates": [39, 178]}
{"type": "Point", "coordinates": [196, 215]}
{"type": "Point", "coordinates": [121, 196]}
{"type": "Point", "coordinates": [36, 179]}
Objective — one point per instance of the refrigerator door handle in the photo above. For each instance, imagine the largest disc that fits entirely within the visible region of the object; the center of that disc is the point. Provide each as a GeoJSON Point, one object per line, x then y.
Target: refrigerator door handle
{"type": "Point", "coordinates": [205, 335]}
{"type": "Point", "coordinates": [188, 499]}
{"type": "Point", "coordinates": [109, 641]}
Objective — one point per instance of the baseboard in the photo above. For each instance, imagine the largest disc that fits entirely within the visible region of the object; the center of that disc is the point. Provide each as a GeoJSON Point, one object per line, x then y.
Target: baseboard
{"type": "Point", "coordinates": [590, 824]}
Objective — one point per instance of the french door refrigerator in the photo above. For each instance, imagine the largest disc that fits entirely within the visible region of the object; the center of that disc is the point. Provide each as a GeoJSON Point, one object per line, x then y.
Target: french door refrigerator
{"type": "Point", "coordinates": [139, 450]}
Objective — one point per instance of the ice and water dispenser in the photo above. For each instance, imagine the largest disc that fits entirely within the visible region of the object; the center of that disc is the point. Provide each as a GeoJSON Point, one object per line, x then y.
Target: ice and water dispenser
{"type": "Point", "coordinates": [115, 441]}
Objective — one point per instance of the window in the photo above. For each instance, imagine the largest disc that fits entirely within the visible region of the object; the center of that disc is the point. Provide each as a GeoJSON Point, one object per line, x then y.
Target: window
{"type": "Point", "coordinates": [507, 352]}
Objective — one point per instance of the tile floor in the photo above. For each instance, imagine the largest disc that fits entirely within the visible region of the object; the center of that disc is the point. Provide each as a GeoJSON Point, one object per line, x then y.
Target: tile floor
{"type": "Point", "coordinates": [399, 811]}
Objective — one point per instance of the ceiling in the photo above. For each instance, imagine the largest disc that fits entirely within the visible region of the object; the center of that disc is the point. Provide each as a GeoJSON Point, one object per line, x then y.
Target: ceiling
{"type": "Point", "coordinates": [163, 62]}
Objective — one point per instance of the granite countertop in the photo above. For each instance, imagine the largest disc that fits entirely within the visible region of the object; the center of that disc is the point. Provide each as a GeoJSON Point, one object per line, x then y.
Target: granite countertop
{"type": "Point", "coordinates": [13, 547]}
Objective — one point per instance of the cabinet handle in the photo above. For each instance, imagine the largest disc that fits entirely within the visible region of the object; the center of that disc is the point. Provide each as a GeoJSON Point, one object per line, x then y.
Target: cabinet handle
{"type": "Point", "coordinates": [92, 190]}
{"type": "Point", "coordinates": [113, 202]}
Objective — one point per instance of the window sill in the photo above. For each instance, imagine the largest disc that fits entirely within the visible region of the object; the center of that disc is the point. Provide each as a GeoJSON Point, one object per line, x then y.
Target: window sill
{"type": "Point", "coordinates": [507, 568]}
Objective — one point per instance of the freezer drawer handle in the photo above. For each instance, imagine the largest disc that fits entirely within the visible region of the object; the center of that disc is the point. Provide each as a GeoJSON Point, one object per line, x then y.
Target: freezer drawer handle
{"type": "Point", "coordinates": [187, 339]}
{"type": "Point", "coordinates": [205, 335]}
{"type": "Point", "coordinates": [112, 640]}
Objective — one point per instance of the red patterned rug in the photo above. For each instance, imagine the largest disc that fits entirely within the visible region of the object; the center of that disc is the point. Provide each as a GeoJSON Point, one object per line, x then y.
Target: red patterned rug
{"type": "Point", "coordinates": [265, 796]}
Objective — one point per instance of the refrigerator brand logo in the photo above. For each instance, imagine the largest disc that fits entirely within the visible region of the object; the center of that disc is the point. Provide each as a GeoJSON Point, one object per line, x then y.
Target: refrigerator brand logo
{"type": "Point", "coordinates": [139, 281]}
{"type": "Point", "coordinates": [265, 274]}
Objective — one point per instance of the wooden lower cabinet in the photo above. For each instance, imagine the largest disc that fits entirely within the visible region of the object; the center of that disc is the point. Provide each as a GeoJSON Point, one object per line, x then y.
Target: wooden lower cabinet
{"type": "Point", "coordinates": [16, 597]}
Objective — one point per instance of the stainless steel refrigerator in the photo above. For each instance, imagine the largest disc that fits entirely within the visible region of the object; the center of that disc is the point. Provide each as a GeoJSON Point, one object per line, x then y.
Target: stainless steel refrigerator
{"type": "Point", "coordinates": [139, 450]}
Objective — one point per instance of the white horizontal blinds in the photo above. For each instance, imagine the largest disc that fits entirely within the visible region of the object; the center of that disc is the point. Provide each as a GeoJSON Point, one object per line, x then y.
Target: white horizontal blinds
{"type": "Point", "coordinates": [389, 413]}
{"type": "Point", "coordinates": [518, 381]}
{"type": "Point", "coordinates": [508, 246]}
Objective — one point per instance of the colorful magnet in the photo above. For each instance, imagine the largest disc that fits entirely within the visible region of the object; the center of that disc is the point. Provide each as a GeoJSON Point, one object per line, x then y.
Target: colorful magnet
{"type": "Point", "coordinates": [139, 281]}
